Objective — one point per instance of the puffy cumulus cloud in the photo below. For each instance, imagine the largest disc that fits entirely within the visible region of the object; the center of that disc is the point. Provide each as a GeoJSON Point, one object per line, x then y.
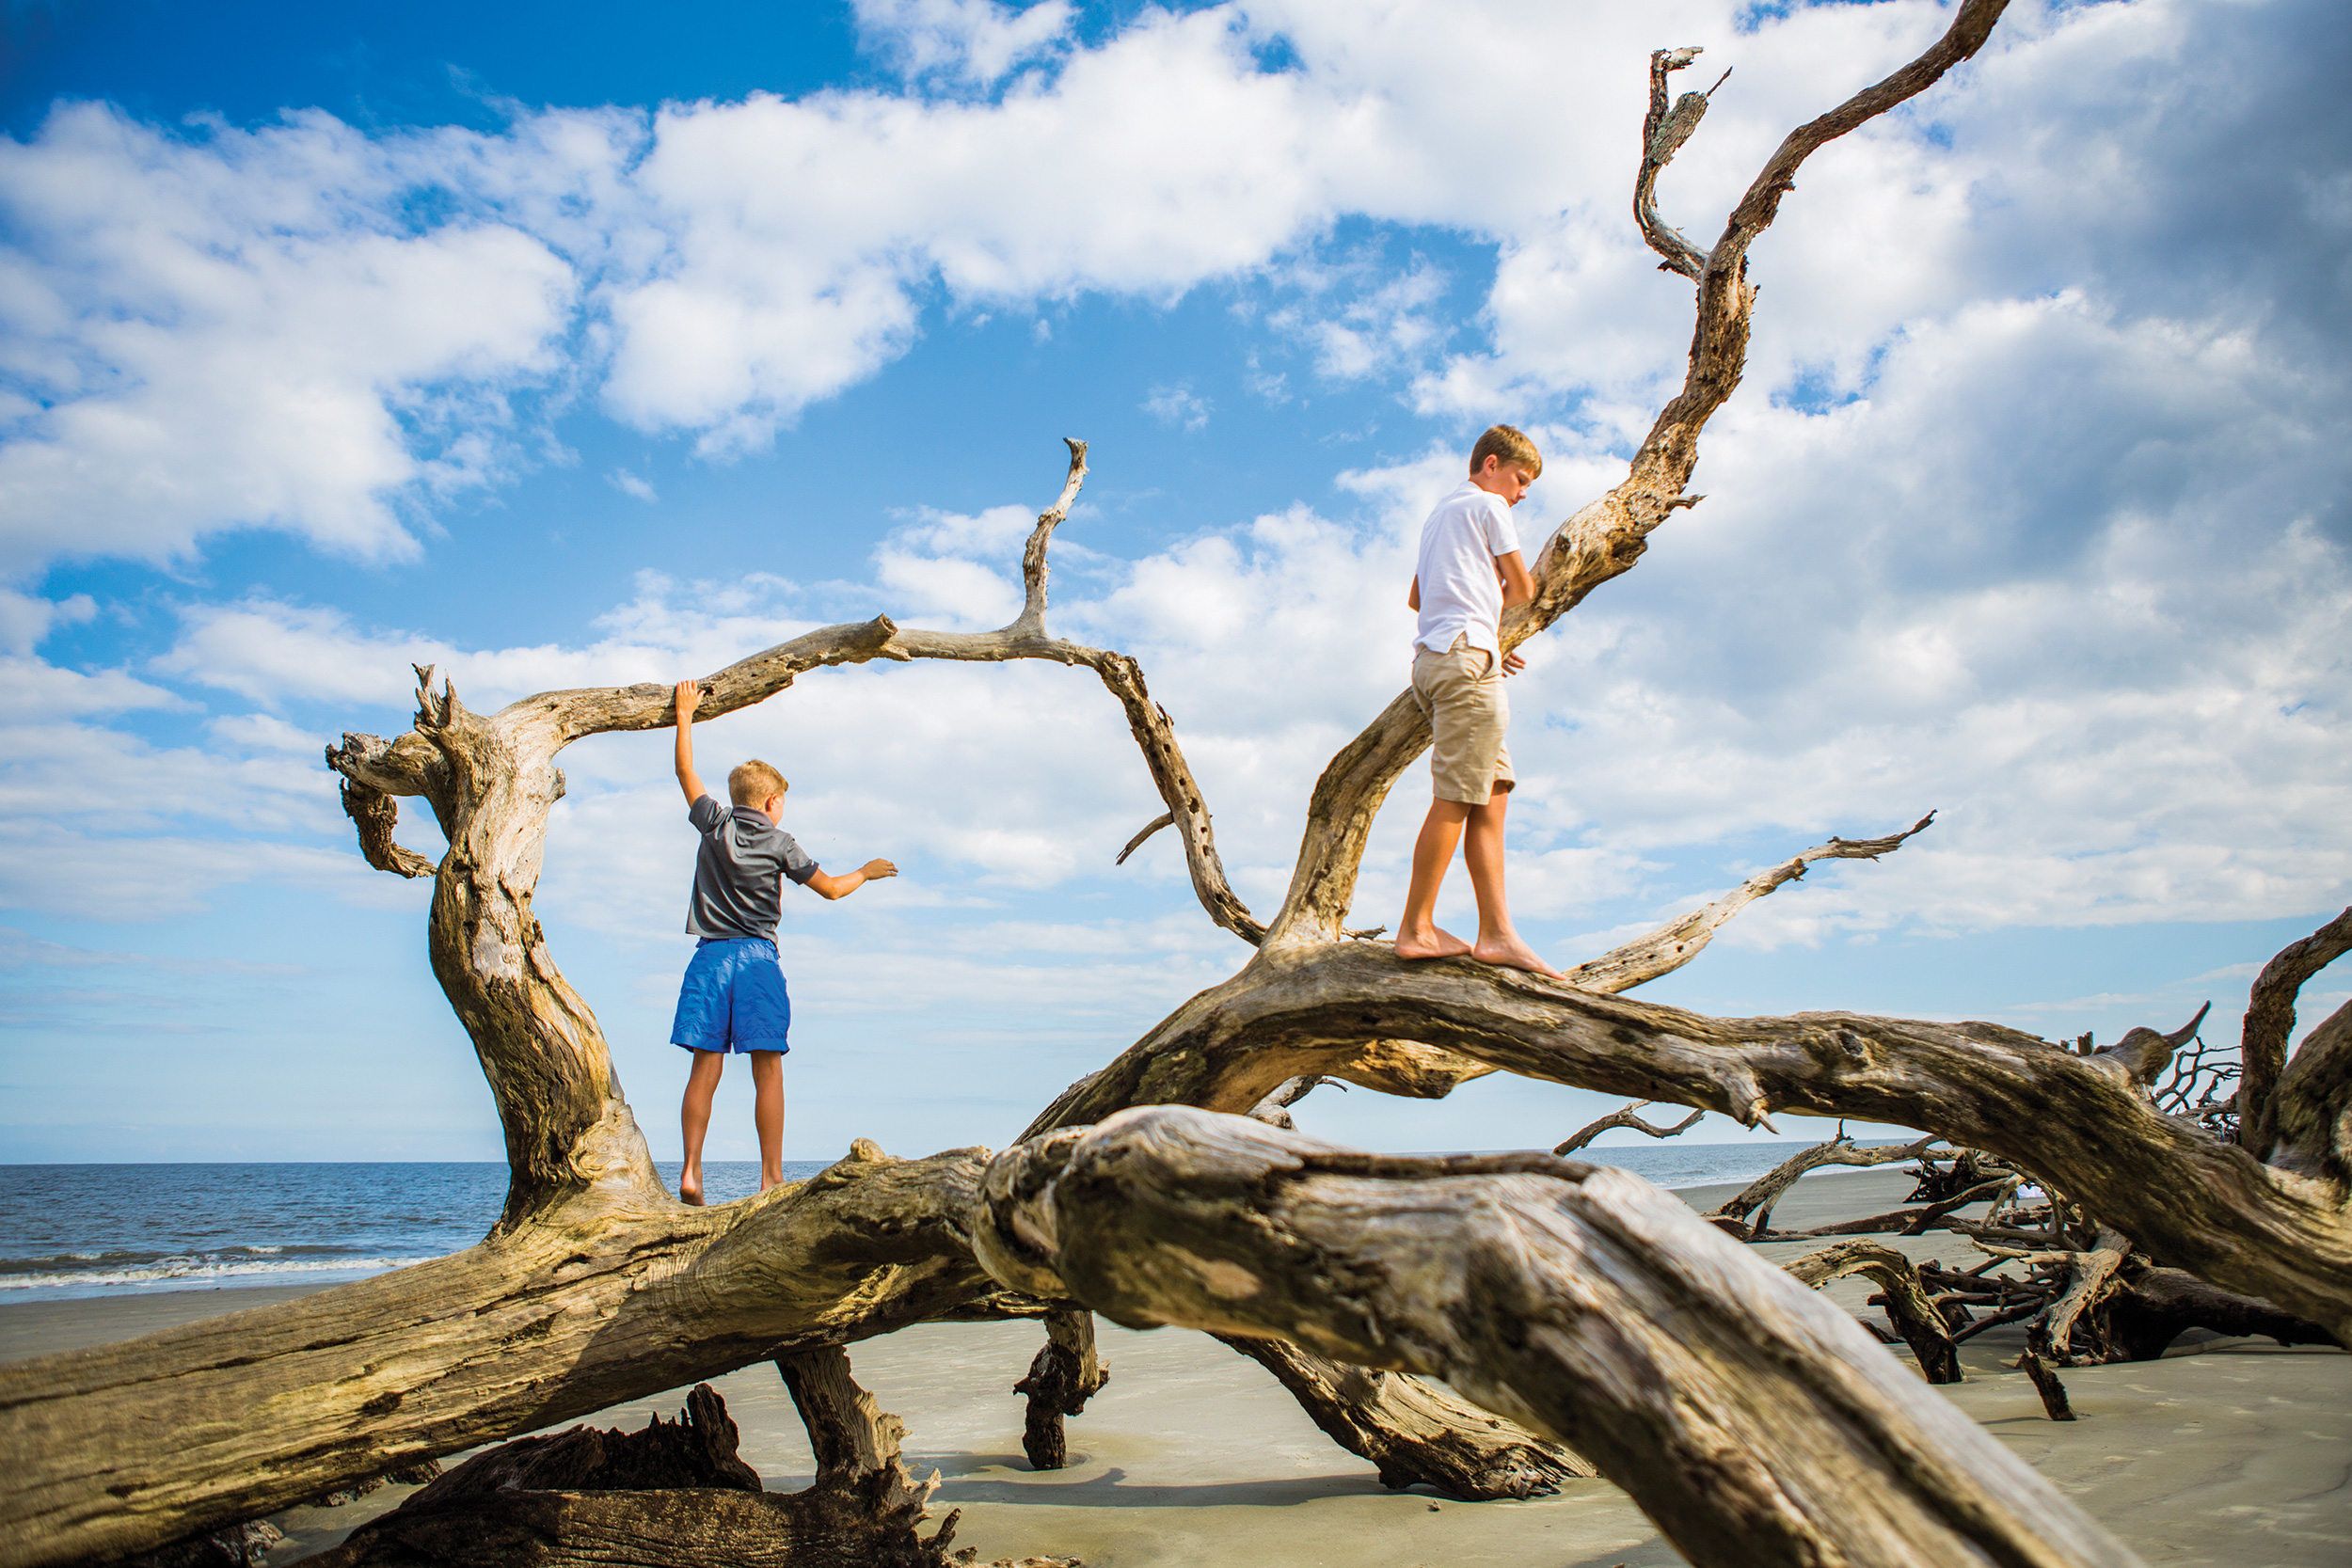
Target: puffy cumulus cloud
{"type": "Point", "coordinates": [311, 328]}
{"type": "Point", "coordinates": [801, 237]}
{"type": "Point", "coordinates": [2014, 517]}
{"type": "Point", "coordinates": [223, 328]}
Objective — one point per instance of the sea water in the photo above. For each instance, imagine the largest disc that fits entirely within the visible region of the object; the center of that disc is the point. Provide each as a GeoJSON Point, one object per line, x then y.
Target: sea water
{"type": "Point", "coordinates": [100, 1230]}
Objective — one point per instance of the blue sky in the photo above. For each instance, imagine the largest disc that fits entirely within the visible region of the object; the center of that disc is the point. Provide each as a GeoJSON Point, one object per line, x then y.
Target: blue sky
{"type": "Point", "coordinates": [558, 347]}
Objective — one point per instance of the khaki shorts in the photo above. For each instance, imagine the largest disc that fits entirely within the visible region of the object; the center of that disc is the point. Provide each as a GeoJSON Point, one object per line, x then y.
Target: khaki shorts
{"type": "Point", "coordinates": [1461, 692]}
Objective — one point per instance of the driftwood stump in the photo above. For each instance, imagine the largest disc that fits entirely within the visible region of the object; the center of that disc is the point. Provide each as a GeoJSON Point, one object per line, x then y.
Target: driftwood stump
{"type": "Point", "coordinates": [1066, 1374]}
{"type": "Point", "coordinates": [673, 1496]}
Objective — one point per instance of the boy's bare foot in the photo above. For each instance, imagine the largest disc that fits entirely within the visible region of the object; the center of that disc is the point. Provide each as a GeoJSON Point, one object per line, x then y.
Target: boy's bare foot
{"type": "Point", "coordinates": [1436, 943]}
{"type": "Point", "coordinates": [690, 1195]}
{"type": "Point", "coordinates": [1511, 952]}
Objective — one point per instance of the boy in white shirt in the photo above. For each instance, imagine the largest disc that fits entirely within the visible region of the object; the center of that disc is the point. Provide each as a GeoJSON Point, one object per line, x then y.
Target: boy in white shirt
{"type": "Point", "coordinates": [1468, 572]}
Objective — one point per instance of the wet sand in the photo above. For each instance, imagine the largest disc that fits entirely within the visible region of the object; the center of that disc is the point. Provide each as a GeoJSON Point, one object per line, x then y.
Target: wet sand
{"type": "Point", "coordinates": [2227, 1452]}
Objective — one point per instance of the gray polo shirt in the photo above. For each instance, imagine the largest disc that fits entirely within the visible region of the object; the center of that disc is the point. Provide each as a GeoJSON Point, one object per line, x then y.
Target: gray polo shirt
{"type": "Point", "coordinates": [737, 890]}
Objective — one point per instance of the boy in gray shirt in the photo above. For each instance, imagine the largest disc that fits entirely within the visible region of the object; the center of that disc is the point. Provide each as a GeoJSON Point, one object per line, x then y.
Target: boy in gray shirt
{"type": "Point", "coordinates": [734, 997]}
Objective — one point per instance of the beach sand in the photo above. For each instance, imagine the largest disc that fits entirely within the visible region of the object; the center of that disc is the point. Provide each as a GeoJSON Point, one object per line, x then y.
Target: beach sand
{"type": "Point", "coordinates": [2226, 1452]}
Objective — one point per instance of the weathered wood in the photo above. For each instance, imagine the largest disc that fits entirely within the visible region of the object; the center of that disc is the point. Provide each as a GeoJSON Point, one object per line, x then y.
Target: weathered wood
{"type": "Point", "coordinates": [244, 1545]}
{"type": "Point", "coordinates": [1677, 942]}
{"type": "Point", "coordinates": [673, 1496]}
{"type": "Point", "coordinates": [1759, 1196]}
{"type": "Point", "coordinates": [2280, 1231]}
{"type": "Point", "coordinates": [2269, 1026]}
{"type": "Point", "coordinates": [1605, 539]}
{"type": "Point", "coordinates": [1066, 1374]}
{"type": "Point", "coordinates": [2091, 1273]}
{"type": "Point", "coordinates": [1753, 1423]}
{"type": "Point", "coordinates": [2046, 1383]}
{"type": "Point", "coordinates": [1915, 1319]}
{"type": "Point", "coordinates": [1415, 1433]}
{"type": "Point", "coordinates": [1626, 1118]}
{"type": "Point", "coordinates": [2307, 1126]}
{"type": "Point", "coordinates": [607, 1298]}
{"type": "Point", "coordinates": [2155, 1306]}
{"type": "Point", "coordinates": [852, 1438]}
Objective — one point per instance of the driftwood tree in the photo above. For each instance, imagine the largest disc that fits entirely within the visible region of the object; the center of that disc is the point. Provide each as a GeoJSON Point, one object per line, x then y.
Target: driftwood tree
{"type": "Point", "coordinates": [1596, 1321]}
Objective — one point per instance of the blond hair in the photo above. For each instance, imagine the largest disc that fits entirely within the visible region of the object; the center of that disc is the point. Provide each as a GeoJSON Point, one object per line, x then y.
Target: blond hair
{"type": "Point", "coordinates": [753, 783]}
{"type": "Point", "coordinates": [1514, 448]}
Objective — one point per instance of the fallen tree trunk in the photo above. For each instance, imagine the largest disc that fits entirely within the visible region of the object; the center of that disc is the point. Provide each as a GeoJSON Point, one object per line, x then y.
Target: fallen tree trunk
{"type": "Point", "coordinates": [2280, 1231]}
{"type": "Point", "coordinates": [1752, 1421]}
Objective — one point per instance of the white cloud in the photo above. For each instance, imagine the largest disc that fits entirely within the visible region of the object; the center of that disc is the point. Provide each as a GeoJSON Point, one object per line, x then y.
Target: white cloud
{"type": "Point", "coordinates": [227, 328]}
{"type": "Point", "coordinates": [1179, 407]}
{"type": "Point", "coordinates": [230, 328]}
{"type": "Point", "coordinates": [629, 484]}
{"type": "Point", "coordinates": [2006, 522]}
{"type": "Point", "coordinates": [972, 41]}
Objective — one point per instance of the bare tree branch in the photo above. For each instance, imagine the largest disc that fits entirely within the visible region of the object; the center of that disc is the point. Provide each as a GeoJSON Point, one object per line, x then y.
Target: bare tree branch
{"type": "Point", "coordinates": [1627, 1120]}
{"type": "Point", "coordinates": [1914, 1317]}
{"type": "Point", "coordinates": [1759, 1196]}
{"type": "Point", "coordinates": [375, 814]}
{"type": "Point", "coordinates": [1678, 941]}
{"type": "Point", "coordinates": [1415, 1433]}
{"type": "Point", "coordinates": [1662, 135]}
{"type": "Point", "coordinates": [1166, 819]}
{"type": "Point", "coordinates": [2092, 1271]}
{"type": "Point", "coordinates": [2310, 1117]}
{"type": "Point", "coordinates": [1065, 1374]}
{"type": "Point", "coordinates": [1607, 537]}
{"type": "Point", "coordinates": [2270, 1021]}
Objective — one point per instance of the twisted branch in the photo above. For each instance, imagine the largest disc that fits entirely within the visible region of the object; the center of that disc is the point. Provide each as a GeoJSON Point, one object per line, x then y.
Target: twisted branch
{"type": "Point", "coordinates": [1605, 539]}
{"type": "Point", "coordinates": [1627, 1120]}
{"type": "Point", "coordinates": [2270, 1021]}
{"type": "Point", "coordinates": [1677, 943]}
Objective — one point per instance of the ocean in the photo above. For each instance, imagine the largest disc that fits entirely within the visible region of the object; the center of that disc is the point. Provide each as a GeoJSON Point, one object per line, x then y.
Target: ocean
{"type": "Point", "coordinates": [69, 1231]}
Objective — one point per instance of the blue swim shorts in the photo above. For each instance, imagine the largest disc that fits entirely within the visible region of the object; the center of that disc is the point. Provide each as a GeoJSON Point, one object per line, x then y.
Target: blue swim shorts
{"type": "Point", "coordinates": [732, 998]}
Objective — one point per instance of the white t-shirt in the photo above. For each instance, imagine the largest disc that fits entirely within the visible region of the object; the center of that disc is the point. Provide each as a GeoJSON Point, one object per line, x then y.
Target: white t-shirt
{"type": "Point", "coordinates": [1460, 594]}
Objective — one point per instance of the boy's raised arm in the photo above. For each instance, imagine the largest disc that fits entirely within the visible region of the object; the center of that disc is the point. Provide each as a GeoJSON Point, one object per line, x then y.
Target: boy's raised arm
{"type": "Point", "coordinates": [689, 693]}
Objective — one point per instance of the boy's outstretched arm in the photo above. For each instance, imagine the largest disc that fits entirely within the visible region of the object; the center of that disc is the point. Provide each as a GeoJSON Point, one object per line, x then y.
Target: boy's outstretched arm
{"type": "Point", "coordinates": [850, 882]}
{"type": "Point", "coordinates": [689, 693]}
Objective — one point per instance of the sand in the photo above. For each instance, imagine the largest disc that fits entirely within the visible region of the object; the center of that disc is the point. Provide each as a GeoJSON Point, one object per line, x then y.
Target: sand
{"type": "Point", "coordinates": [2226, 1452]}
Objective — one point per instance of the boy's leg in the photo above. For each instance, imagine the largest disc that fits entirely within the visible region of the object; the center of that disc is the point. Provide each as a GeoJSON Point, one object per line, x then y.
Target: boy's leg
{"type": "Point", "coordinates": [767, 1114]}
{"type": "Point", "coordinates": [1498, 942]}
{"type": "Point", "coordinates": [1417, 934]}
{"type": "Point", "coordinates": [702, 1082]}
